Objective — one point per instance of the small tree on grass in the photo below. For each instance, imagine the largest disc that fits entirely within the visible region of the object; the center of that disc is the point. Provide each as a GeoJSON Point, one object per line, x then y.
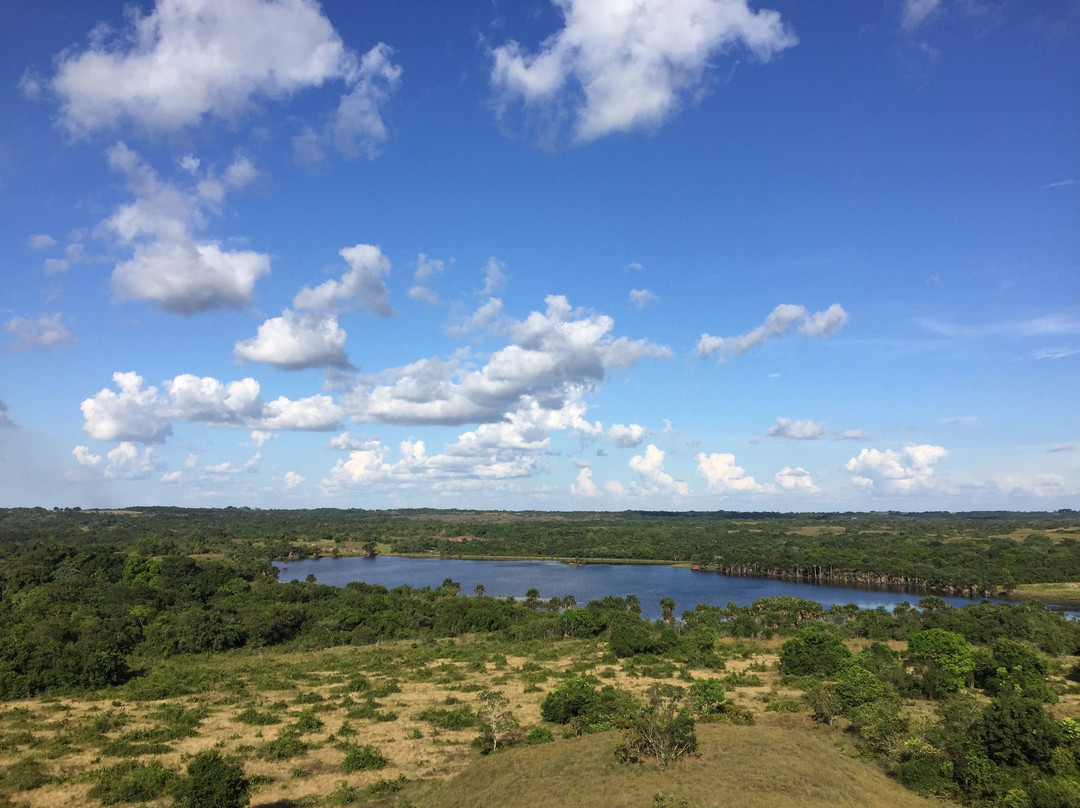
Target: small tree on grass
{"type": "Point", "coordinates": [213, 782]}
{"type": "Point", "coordinates": [498, 726]}
{"type": "Point", "coordinates": [663, 731]}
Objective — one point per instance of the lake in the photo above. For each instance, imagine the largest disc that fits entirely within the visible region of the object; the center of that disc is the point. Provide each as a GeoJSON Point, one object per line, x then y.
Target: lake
{"type": "Point", "coordinates": [650, 582]}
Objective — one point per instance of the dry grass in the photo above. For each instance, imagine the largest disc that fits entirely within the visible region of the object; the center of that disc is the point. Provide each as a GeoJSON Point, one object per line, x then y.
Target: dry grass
{"type": "Point", "coordinates": [1057, 593]}
{"type": "Point", "coordinates": [446, 677]}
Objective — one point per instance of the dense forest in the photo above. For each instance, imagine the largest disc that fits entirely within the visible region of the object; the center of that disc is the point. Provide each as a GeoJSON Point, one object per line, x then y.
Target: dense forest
{"type": "Point", "coordinates": [94, 601]}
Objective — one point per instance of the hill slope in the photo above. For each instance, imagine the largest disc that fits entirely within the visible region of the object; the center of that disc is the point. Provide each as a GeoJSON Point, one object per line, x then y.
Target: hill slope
{"type": "Point", "coordinates": [751, 767]}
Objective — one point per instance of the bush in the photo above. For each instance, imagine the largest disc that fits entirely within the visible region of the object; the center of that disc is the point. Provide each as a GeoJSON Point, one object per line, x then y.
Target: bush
{"type": "Point", "coordinates": [254, 718]}
{"type": "Point", "coordinates": [26, 775]}
{"type": "Point", "coordinates": [663, 731]}
{"type": "Point", "coordinates": [287, 745]}
{"type": "Point", "coordinates": [813, 651]}
{"type": "Point", "coordinates": [538, 735]}
{"type": "Point", "coordinates": [363, 758]}
{"type": "Point", "coordinates": [131, 781]}
{"type": "Point", "coordinates": [213, 782]}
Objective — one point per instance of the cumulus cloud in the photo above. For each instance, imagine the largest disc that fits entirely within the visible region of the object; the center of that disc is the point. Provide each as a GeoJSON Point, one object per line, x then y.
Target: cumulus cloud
{"type": "Point", "coordinates": [654, 479]}
{"type": "Point", "coordinates": [781, 320]}
{"type": "Point", "coordinates": [584, 487]}
{"type": "Point", "coordinates": [169, 267]}
{"type": "Point", "coordinates": [127, 462]}
{"type": "Point", "coordinates": [361, 287]}
{"type": "Point", "coordinates": [640, 298]}
{"type": "Point", "coordinates": [47, 331]}
{"type": "Point", "coordinates": [188, 59]}
{"type": "Point", "coordinates": [796, 479]}
{"type": "Point", "coordinates": [626, 436]}
{"type": "Point", "coordinates": [292, 479]}
{"type": "Point", "coordinates": [797, 430]}
{"type": "Point", "coordinates": [494, 276]}
{"type": "Point", "coordinates": [554, 357]}
{"type": "Point", "coordinates": [722, 476]}
{"type": "Point", "coordinates": [145, 414]}
{"type": "Point", "coordinates": [615, 67]}
{"type": "Point", "coordinates": [295, 342]}
{"type": "Point", "coordinates": [893, 472]}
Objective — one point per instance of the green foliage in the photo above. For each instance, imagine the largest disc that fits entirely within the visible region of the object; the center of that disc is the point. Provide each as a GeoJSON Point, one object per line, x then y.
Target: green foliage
{"type": "Point", "coordinates": [131, 781]}
{"type": "Point", "coordinates": [254, 718]}
{"type": "Point", "coordinates": [1017, 731]}
{"type": "Point", "coordinates": [856, 686]}
{"type": "Point", "coordinates": [213, 782]}
{"type": "Point", "coordinates": [663, 731]}
{"type": "Point", "coordinates": [384, 788]}
{"type": "Point", "coordinates": [363, 758]}
{"type": "Point", "coordinates": [498, 726]}
{"type": "Point", "coordinates": [814, 650]}
{"type": "Point", "coordinates": [628, 639]}
{"type": "Point", "coordinates": [538, 735]}
{"type": "Point", "coordinates": [460, 718]}
{"type": "Point", "coordinates": [26, 775]}
{"type": "Point", "coordinates": [942, 661]}
{"type": "Point", "coordinates": [287, 745]}
{"type": "Point", "coordinates": [707, 696]}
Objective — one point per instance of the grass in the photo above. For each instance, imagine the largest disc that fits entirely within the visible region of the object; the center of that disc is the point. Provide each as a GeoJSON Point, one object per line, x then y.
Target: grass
{"type": "Point", "coordinates": [1064, 593]}
{"type": "Point", "coordinates": [286, 711]}
{"type": "Point", "coordinates": [752, 767]}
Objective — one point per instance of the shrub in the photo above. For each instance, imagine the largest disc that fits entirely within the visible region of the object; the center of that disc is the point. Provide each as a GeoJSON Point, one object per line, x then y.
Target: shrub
{"type": "Point", "coordinates": [458, 719]}
{"type": "Point", "coordinates": [384, 788]}
{"type": "Point", "coordinates": [131, 781]}
{"type": "Point", "coordinates": [254, 718]}
{"type": "Point", "coordinates": [813, 651]}
{"type": "Point", "coordinates": [213, 782]}
{"type": "Point", "coordinates": [663, 731]}
{"type": "Point", "coordinates": [287, 745]}
{"type": "Point", "coordinates": [26, 775]}
{"type": "Point", "coordinates": [363, 758]}
{"type": "Point", "coordinates": [538, 735]}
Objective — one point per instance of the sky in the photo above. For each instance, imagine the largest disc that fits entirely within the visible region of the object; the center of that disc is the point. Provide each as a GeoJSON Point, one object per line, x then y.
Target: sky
{"type": "Point", "coordinates": [550, 254]}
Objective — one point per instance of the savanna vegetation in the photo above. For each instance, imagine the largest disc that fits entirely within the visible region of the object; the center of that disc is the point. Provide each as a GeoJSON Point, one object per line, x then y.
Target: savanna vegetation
{"type": "Point", "coordinates": [153, 658]}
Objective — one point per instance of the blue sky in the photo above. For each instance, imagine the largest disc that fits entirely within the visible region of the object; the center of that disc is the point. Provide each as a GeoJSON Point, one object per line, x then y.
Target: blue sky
{"type": "Point", "coordinates": [584, 254]}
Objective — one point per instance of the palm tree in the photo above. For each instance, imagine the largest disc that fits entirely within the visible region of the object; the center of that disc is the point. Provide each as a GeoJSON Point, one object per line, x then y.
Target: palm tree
{"type": "Point", "coordinates": [479, 591]}
{"type": "Point", "coordinates": [667, 609]}
{"type": "Point", "coordinates": [569, 602]}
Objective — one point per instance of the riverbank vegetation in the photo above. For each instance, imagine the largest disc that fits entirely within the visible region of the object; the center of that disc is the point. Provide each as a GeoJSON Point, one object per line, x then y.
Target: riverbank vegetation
{"type": "Point", "coordinates": [139, 655]}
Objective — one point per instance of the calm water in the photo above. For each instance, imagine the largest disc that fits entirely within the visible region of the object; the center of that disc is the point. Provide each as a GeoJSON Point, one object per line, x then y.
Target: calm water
{"type": "Point", "coordinates": [591, 582]}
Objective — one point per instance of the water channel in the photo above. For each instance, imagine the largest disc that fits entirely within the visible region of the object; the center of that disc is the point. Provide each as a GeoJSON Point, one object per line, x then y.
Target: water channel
{"type": "Point", "coordinates": [650, 582]}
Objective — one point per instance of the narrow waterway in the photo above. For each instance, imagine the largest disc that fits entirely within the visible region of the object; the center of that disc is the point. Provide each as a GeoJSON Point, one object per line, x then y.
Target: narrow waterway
{"type": "Point", "coordinates": [590, 582]}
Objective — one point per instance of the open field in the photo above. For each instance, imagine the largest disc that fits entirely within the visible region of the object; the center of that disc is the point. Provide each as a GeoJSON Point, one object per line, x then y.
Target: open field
{"type": "Point", "coordinates": [292, 716]}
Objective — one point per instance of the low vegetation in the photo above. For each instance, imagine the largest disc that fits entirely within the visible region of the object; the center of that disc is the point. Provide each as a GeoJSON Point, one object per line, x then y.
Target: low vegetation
{"type": "Point", "coordinates": [135, 673]}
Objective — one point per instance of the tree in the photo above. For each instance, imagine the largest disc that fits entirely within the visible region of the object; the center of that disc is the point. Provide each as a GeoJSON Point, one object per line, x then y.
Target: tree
{"type": "Point", "coordinates": [663, 731]}
{"type": "Point", "coordinates": [633, 605]}
{"type": "Point", "coordinates": [941, 660]}
{"type": "Point", "coordinates": [667, 610]}
{"type": "Point", "coordinates": [213, 782]}
{"type": "Point", "coordinates": [1016, 730]}
{"type": "Point", "coordinates": [479, 591]}
{"type": "Point", "coordinates": [813, 651]}
{"type": "Point", "coordinates": [497, 723]}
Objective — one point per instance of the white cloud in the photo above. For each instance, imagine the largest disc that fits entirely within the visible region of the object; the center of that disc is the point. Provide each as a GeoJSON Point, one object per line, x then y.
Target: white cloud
{"type": "Point", "coordinates": [553, 358]}
{"type": "Point", "coordinates": [626, 436]}
{"type": "Point", "coordinates": [640, 298]}
{"type": "Point", "coordinates": [346, 442]}
{"type": "Point", "coordinates": [780, 321]}
{"type": "Point", "coordinates": [722, 476]}
{"type": "Point", "coordinates": [915, 12]}
{"type": "Point", "coordinates": [584, 487]}
{"type": "Point", "coordinates": [144, 414]}
{"type": "Point", "coordinates": [796, 479]}
{"type": "Point", "coordinates": [169, 267]}
{"type": "Point", "coordinates": [426, 269]}
{"type": "Point", "coordinates": [41, 241]}
{"type": "Point", "coordinates": [358, 127]}
{"type": "Point", "coordinates": [618, 66]}
{"type": "Point", "coordinates": [656, 481]}
{"type": "Point", "coordinates": [797, 430]}
{"type": "Point", "coordinates": [894, 472]}
{"type": "Point", "coordinates": [47, 331]}
{"type": "Point", "coordinates": [494, 276]}
{"type": "Point", "coordinates": [1047, 325]}
{"type": "Point", "coordinates": [362, 286]}
{"type": "Point", "coordinates": [615, 488]}
{"type": "Point", "coordinates": [292, 479]}
{"type": "Point", "coordinates": [126, 462]}
{"type": "Point", "coordinates": [295, 342]}
{"type": "Point", "coordinates": [84, 457]}
{"type": "Point", "coordinates": [260, 438]}
{"type": "Point", "coordinates": [188, 59]}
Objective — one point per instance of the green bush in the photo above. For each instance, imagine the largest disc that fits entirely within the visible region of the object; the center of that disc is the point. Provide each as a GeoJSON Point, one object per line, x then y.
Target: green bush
{"type": "Point", "coordinates": [384, 788]}
{"type": "Point", "coordinates": [213, 782]}
{"type": "Point", "coordinates": [363, 758]}
{"type": "Point", "coordinates": [459, 719]}
{"type": "Point", "coordinates": [287, 745]}
{"type": "Point", "coordinates": [131, 781]}
{"type": "Point", "coordinates": [254, 718]}
{"type": "Point", "coordinates": [26, 775]}
{"type": "Point", "coordinates": [814, 650]}
{"type": "Point", "coordinates": [538, 735]}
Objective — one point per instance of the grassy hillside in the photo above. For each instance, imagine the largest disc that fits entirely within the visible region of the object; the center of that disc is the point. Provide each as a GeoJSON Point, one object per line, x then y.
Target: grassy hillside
{"type": "Point", "coordinates": [750, 767]}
